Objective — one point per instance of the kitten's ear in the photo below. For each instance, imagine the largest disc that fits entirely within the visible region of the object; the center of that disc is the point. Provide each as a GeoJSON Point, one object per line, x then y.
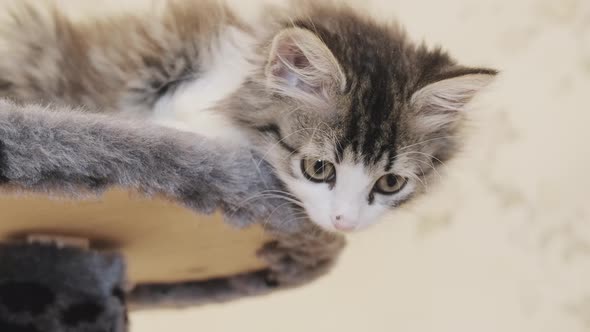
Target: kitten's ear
{"type": "Point", "coordinates": [301, 66]}
{"type": "Point", "coordinates": [441, 103]}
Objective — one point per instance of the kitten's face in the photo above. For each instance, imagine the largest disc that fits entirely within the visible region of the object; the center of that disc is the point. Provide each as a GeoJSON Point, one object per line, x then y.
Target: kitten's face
{"type": "Point", "coordinates": [346, 172]}
{"type": "Point", "coordinates": [347, 194]}
{"type": "Point", "coordinates": [357, 120]}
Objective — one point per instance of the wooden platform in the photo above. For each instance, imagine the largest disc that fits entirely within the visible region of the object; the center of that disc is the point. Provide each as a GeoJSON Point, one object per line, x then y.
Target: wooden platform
{"type": "Point", "coordinates": [161, 241]}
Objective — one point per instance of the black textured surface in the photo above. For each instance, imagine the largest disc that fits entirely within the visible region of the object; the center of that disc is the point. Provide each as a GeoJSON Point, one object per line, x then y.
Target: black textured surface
{"type": "Point", "coordinates": [47, 289]}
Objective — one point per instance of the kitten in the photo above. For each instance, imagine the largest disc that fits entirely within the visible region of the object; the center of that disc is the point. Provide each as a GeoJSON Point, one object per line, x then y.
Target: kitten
{"type": "Point", "coordinates": [353, 116]}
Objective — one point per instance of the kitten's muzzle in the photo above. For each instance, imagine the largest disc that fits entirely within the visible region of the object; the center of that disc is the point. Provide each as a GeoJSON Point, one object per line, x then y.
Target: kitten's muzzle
{"type": "Point", "coordinates": [341, 224]}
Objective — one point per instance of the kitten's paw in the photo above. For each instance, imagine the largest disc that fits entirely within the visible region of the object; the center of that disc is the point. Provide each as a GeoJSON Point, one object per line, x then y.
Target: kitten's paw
{"type": "Point", "coordinates": [256, 195]}
{"type": "Point", "coordinates": [240, 184]}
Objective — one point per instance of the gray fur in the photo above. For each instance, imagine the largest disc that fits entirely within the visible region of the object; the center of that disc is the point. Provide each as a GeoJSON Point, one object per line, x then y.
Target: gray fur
{"type": "Point", "coordinates": [57, 151]}
{"type": "Point", "coordinates": [370, 120]}
{"type": "Point", "coordinates": [370, 115]}
{"type": "Point", "coordinates": [60, 151]}
{"type": "Point", "coordinates": [106, 62]}
{"type": "Point", "coordinates": [391, 107]}
{"type": "Point", "coordinates": [293, 260]}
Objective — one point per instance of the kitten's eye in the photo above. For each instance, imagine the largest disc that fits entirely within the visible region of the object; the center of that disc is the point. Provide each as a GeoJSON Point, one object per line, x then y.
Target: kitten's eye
{"type": "Point", "coordinates": [390, 184]}
{"type": "Point", "coordinates": [318, 170]}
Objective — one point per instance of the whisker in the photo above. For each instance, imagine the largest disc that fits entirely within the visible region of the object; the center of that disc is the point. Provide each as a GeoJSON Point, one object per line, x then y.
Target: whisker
{"type": "Point", "coordinates": [258, 170]}
{"type": "Point", "coordinates": [429, 164]}
{"type": "Point", "coordinates": [425, 141]}
{"type": "Point", "coordinates": [432, 157]}
{"type": "Point", "coordinates": [278, 142]}
{"type": "Point", "coordinates": [416, 177]}
{"type": "Point", "coordinates": [272, 212]}
{"type": "Point", "coordinates": [276, 191]}
{"type": "Point", "coordinates": [267, 196]}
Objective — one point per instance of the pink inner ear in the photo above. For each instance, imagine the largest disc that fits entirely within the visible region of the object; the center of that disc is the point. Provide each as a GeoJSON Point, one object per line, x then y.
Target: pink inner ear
{"type": "Point", "coordinates": [291, 54]}
{"type": "Point", "coordinates": [302, 67]}
{"type": "Point", "coordinates": [299, 60]}
{"type": "Point", "coordinates": [289, 61]}
{"type": "Point", "coordinates": [289, 57]}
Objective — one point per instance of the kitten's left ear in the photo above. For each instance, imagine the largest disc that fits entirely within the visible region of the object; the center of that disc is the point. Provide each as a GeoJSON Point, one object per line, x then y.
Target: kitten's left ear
{"type": "Point", "coordinates": [301, 66]}
{"type": "Point", "coordinates": [441, 103]}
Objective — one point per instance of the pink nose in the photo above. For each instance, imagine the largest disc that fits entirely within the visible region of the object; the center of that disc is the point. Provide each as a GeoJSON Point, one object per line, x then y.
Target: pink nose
{"type": "Point", "coordinates": [341, 224]}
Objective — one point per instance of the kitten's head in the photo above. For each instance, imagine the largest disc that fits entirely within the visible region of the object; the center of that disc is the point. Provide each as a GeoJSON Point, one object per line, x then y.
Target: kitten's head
{"type": "Point", "coordinates": [354, 118]}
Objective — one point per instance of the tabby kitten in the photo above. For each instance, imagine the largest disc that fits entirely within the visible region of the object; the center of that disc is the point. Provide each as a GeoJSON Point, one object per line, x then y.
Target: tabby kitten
{"type": "Point", "coordinates": [352, 115]}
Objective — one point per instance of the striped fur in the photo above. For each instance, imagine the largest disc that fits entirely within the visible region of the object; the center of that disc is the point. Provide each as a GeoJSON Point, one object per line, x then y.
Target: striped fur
{"type": "Point", "coordinates": [310, 81]}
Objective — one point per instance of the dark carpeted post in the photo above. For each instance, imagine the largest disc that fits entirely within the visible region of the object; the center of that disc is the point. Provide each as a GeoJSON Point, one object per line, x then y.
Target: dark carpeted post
{"type": "Point", "coordinates": [44, 288]}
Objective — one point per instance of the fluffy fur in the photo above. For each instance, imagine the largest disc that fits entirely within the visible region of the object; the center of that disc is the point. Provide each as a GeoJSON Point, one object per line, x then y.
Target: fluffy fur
{"type": "Point", "coordinates": [341, 87]}
{"type": "Point", "coordinates": [293, 259]}
{"type": "Point", "coordinates": [57, 151]}
{"type": "Point", "coordinates": [315, 81]}
{"type": "Point", "coordinates": [49, 150]}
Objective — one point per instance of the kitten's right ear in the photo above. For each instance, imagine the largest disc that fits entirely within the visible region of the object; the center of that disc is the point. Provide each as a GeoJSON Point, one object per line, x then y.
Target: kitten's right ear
{"type": "Point", "coordinates": [301, 66]}
{"type": "Point", "coordinates": [441, 104]}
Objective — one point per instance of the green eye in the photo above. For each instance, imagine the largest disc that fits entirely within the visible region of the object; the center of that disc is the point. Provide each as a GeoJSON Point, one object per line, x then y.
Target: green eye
{"type": "Point", "coordinates": [317, 170]}
{"type": "Point", "coordinates": [390, 184]}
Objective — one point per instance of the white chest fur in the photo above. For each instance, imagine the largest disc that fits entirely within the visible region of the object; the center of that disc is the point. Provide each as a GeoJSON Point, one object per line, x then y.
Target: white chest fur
{"type": "Point", "coordinates": [192, 106]}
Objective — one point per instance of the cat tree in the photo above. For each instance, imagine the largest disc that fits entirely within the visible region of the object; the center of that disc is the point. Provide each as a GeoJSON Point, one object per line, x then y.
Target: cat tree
{"type": "Point", "coordinates": [98, 215]}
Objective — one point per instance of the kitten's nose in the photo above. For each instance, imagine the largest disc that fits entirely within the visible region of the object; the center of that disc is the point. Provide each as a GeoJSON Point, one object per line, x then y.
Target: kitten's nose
{"type": "Point", "coordinates": [341, 224]}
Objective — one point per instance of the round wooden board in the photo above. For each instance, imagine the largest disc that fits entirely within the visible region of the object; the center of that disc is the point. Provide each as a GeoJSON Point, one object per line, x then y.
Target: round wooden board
{"type": "Point", "coordinates": [162, 242]}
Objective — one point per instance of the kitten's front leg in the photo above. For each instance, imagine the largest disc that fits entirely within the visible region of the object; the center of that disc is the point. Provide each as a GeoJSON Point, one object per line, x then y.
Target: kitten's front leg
{"type": "Point", "coordinates": [244, 187]}
{"type": "Point", "coordinates": [50, 150]}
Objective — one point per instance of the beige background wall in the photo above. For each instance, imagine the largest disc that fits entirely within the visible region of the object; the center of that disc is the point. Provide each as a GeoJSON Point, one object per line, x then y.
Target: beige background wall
{"type": "Point", "coordinates": [504, 243]}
